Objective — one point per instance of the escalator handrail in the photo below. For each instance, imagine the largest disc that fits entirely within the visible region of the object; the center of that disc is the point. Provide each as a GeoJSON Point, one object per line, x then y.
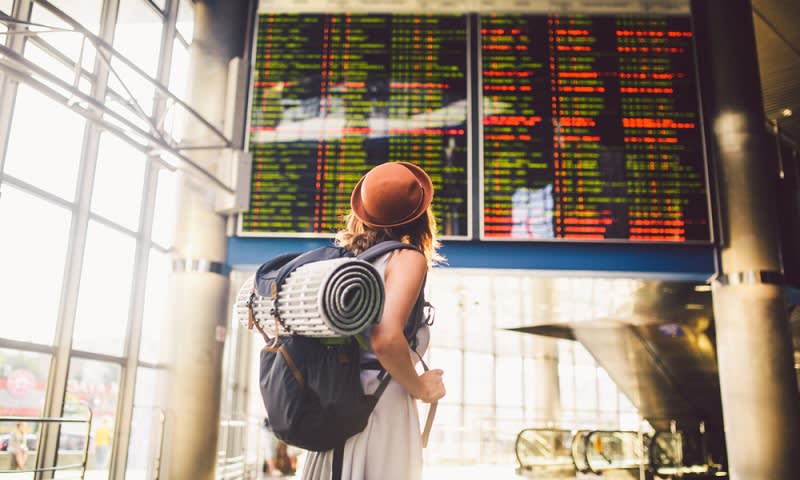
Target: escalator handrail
{"type": "Point", "coordinates": [645, 443]}
{"type": "Point", "coordinates": [520, 437]}
{"type": "Point", "coordinates": [580, 436]}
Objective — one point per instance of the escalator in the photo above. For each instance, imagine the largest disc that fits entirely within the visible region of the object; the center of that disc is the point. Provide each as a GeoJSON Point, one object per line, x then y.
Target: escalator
{"type": "Point", "coordinates": [544, 452]}
{"type": "Point", "coordinates": [656, 340]}
{"type": "Point", "coordinates": [553, 453]}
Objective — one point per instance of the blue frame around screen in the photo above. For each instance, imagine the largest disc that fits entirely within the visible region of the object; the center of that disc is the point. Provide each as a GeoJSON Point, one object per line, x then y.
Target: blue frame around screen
{"type": "Point", "coordinates": [664, 262]}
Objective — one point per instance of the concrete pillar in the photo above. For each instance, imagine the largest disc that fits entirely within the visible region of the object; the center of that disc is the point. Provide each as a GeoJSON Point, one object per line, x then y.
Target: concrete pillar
{"type": "Point", "coordinates": [542, 369]}
{"type": "Point", "coordinates": [547, 399]}
{"type": "Point", "coordinates": [757, 380]}
{"type": "Point", "coordinates": [198, 312]}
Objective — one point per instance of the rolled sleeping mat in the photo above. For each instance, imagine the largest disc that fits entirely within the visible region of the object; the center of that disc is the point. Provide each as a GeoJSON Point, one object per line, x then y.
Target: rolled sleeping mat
{"type": "Point", "coordinates": [330, 298]}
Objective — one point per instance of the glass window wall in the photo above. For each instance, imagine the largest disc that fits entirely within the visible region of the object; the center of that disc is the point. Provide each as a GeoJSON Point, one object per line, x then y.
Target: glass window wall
{"type": "Point", "coordinates": [86, 12]}
{"type": "Point", "coordinates": [73, 202]}
{"type": "Point", "coordinates": [104, 299]}
{"type": "Point", "coordinates": [42, 54]}
{"type": "Point", "coordinates": [138, 34]}
{"type": "Point", "coordinates": [508, 381]}
{"type": "Point", "coordinates": [95, 385]}
{"type": "Point", "coordinates": [70, 45]}
{"type": "Point", "coordinates": [23, 382]}
{"type": "Point", "coordinates": [178, 84]}
{"type": "Point", "coordinates": [161, 4]}
{"type": "Point", "coordinates": [479, 380]}
{"type": "Point", "coordinates": [164, 217]}
{"type": "Point", "coordinates": [118, 182]}
{"type": "Point", "coordinates": [33, 248]}
{"type": "Point", "coordinates": [478, 327]}
{"type": "Point", "coordinates": [44, 150]}
{"type": "Point", "coordinates": [146, 428]}
{"type": "Point", "coordinates": [155, 305]}
{"type": "Point", "coordinates": [185, 23]}
{"type": "Point", "coordinates": [138, 38]}
{"type": "Point", "coordinates": [500, 381]}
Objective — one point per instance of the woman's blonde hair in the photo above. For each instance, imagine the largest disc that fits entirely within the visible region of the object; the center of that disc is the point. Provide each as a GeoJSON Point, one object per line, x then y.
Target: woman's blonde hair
{"type": "Point", "coordinates": [357, 236]}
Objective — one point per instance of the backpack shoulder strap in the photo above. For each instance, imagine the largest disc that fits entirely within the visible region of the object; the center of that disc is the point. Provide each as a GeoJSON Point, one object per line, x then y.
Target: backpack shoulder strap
{"type": "Point", "coordinates": [417, 311]}
{"type": "Point", "coordinates": [374, 252]}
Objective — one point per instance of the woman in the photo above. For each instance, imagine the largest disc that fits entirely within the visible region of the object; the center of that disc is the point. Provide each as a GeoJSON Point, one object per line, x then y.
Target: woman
{"type": "Point", "coordinates": [18, 447]}
{"type": "Point", "coordinates": [391, 202]}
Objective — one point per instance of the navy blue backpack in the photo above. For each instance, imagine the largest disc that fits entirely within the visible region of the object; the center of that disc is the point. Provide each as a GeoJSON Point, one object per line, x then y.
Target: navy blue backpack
{"type": "Point", "coordinates": [311, 387]}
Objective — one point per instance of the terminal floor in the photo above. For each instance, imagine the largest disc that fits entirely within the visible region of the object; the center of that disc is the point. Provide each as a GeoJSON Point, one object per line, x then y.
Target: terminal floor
{"type": "Point", "coordinates": [484, 472]}
{"type": "Point", "coordinates": [436, 472]}
{"type": "Point", "coordinates": [431, 472]}
{"type": "Point", "coordinates": [472, 472]}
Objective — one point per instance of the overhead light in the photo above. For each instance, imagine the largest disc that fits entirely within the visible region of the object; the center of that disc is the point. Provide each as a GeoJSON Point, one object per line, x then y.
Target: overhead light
{"type": "Point", "coordinates": [786, 112]}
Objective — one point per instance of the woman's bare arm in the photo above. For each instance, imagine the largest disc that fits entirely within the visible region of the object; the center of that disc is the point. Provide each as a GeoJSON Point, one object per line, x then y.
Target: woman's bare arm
{"type": "Point", "coordinates": [405, 274]}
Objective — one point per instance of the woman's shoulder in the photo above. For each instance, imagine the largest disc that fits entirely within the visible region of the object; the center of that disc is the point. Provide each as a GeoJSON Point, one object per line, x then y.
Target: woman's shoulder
{"type": "Point", "coordinates": [407, 261]}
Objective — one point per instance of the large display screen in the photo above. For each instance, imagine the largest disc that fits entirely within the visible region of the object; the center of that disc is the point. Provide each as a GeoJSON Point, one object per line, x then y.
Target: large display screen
{"type": "Point", "coordinates": [591, 129]}
{"type": "Point", "coordinates": [587, 126]}
{"type": "Point", "coordinates": [336, 94]}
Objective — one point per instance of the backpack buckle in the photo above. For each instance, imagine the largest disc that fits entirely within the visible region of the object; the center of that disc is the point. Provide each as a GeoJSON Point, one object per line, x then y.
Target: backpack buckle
{"type": "Point", "coordinates": [429, 313]}
{"type": "Point", "coordinates": [251, 314]}
{"type": "Point", "coordinates": [251, 300]}
{"type": "Point", "coordinates": [273, 310]}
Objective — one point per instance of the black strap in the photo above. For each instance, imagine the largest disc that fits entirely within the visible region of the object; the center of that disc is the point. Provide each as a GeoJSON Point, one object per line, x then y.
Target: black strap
{"type": "Point", "coordinates": [338, 460]}
{"type": "Point", "coordinates": [290, 266]}
{"type": "Point", "coordinates": [374, 252]}
{"type": "Point", "coordinates": [384, 383]}
{"type": "Point", "coordinates": [373, 364]}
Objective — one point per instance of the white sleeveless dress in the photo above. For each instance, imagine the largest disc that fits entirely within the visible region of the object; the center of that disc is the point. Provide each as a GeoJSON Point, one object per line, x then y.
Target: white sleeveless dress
{"type": "Point", "coordinates": [390, 447]}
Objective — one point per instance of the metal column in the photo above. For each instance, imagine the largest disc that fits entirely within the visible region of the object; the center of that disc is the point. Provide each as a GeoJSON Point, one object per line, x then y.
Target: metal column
{"type": "Point", "coordinates": [199, 284]}
{"type": "Point", "coordinates": [544, 374]}
{"type": "Point", "coordinates": [757, 380]}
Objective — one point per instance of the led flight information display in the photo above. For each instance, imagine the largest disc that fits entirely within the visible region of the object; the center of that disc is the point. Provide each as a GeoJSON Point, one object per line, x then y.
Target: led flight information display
{"type": "Point", "coordinates": [336, 94]}
{"type": "Point", "coordinates": [590, 129]}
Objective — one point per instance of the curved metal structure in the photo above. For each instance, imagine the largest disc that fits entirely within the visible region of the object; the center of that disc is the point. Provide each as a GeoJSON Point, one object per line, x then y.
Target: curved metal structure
{"type": "Point", "coordinates": [578, 449]}
{"type": "Point", "coordinates": [615, 450]}
{"type": "Point", "coordinates": [57, 420]}
{"type": "Point", "coordinates": [539, 449]}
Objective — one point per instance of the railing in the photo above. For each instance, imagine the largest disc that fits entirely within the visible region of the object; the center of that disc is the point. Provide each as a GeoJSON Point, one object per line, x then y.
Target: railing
{"type": "Point", "coordinates": [578, 450]}
{"type": "Point", "coordinates": [160, 446]}
{"type": "Point", "coordinates": [615, 450]}
{"type": "Point", "coordinates": [543, 449]}
{"type": "Point", "coordinates": [683, 453]}
{"type": "Point", "coordinates": [235, 442]}
{"type": "Point", "coordinates": [58, 420]}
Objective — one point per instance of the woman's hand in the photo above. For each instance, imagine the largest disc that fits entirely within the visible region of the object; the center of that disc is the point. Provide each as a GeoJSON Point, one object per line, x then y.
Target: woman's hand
{"type": "Point", "coordinates": [431, 386]}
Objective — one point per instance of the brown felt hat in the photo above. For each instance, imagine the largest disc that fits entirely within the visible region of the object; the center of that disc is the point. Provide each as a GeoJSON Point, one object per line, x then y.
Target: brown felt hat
{"type": "Point", "coordinates": [392, 194]}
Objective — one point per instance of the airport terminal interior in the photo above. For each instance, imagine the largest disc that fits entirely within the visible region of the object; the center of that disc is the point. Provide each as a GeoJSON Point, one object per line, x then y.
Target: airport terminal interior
{"type": "Point", "coordinates": [616, 188]}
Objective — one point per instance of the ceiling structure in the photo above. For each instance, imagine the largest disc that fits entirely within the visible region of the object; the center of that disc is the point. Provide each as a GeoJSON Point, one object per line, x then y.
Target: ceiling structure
{"type": "Point", "coordinates": [778, 45]}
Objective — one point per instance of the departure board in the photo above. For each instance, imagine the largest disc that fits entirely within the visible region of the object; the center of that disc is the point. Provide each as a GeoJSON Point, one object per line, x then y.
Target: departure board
{"type": "Point", "coordinates": [336, 94]}
{"type": "Point", "coordinates": [591, 129]}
